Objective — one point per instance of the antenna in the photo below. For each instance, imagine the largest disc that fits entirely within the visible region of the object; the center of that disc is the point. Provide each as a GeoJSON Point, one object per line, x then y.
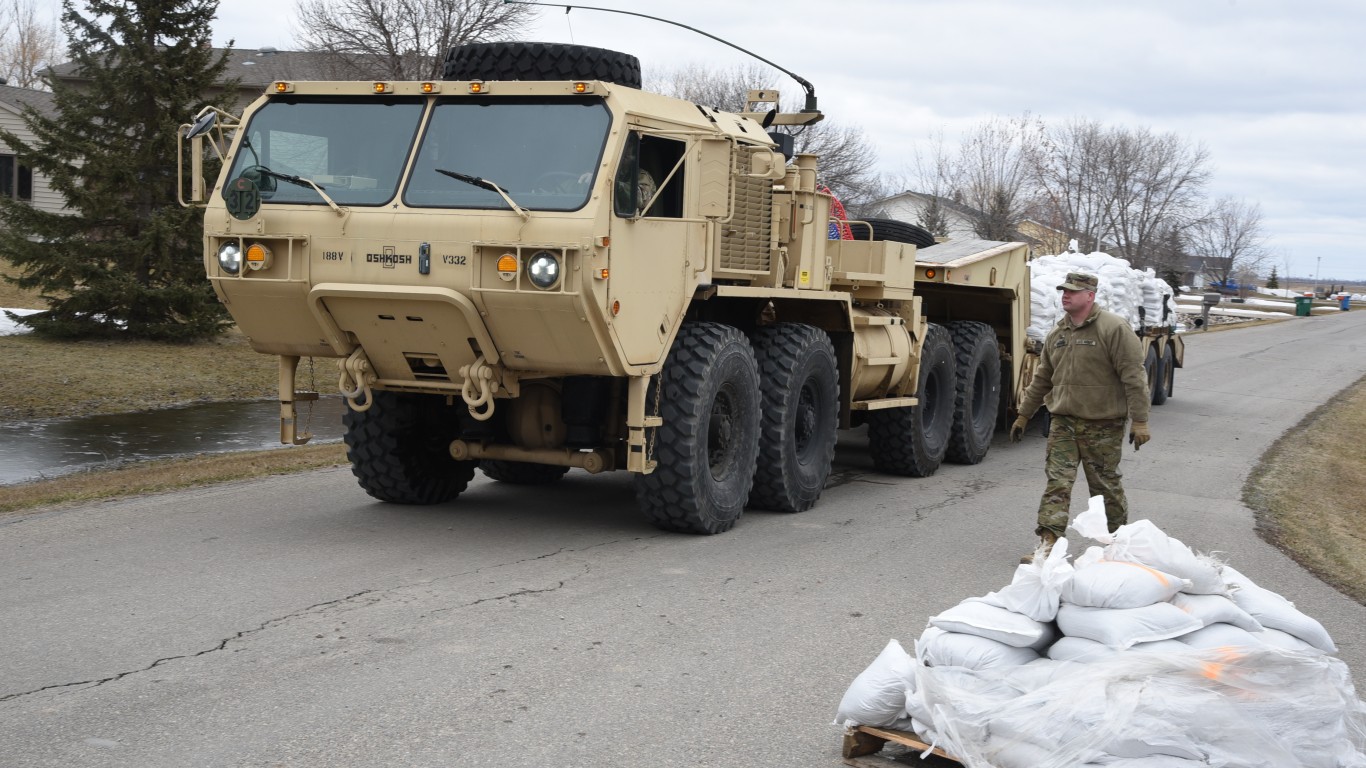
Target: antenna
{"type": "Point", "coordinates": [810, 89]}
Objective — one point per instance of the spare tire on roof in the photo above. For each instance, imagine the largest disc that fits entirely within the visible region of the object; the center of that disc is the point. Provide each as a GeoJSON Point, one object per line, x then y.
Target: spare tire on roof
{"type": "Point", "coordinates": [893, 230]}
{"type": "Point", "coordinates": [540, 61]}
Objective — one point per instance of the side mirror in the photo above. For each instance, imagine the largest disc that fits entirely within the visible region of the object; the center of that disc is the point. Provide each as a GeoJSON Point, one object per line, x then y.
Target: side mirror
{"type": "Point", "coordinates": [203, 125]}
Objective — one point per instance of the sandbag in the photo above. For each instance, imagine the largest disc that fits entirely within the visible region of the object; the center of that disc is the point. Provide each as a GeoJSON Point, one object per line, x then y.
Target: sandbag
{"type": "Point", "coordinates": [1117, 584]}
{"type": "Point", "coordinates": [877, 696]}
{"type": "Point", "coordinates": [937, 648]}
{"type": "Point", "coordinates": [1122, 627]}
{"type": "Point", "coordinates": [1275, 612]}
{"type": "Point", "coordinates": [1216, 609]}
{"type": "Point", "coordinates": [1143, 542]}
{"type": "Point", "coordinates": [977, 616]}
{"type": "Point", "coordinates": [1035, 589]}
{"type": "Point", "coordinates": [1221, 636]}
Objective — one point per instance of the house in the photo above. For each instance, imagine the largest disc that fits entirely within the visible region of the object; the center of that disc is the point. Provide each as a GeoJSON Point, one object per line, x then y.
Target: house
{"type": "Point", "coordinates": [17, 180]}
{"type": "Point", "coordinates": [254, 70]}
{"type": "Point", "coordinates": [962, 219]}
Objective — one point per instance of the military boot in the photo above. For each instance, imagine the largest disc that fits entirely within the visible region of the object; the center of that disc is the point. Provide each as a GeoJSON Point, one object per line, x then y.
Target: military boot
{"type": "Point", "coordinates": [1046, 541]}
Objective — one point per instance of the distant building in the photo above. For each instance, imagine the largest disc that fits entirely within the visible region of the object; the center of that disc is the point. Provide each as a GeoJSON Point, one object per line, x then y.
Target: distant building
{"type": "Point", "coordinates": [17, 181]}
{"type": "Point", "coordinates": [962, 219]}
{"type": "Point", "coordinates": [255, 70]}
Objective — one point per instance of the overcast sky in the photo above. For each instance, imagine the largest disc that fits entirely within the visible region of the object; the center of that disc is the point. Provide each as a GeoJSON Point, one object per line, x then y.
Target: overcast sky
{"type": "Point", "coordinates": [1274, 89]}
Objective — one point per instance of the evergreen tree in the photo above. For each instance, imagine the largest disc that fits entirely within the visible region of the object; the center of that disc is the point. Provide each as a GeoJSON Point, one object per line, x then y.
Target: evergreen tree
{"type": "Point", "coordinates": [125, 259]}
{"type": "Point", "coordinates": [1273, 281]}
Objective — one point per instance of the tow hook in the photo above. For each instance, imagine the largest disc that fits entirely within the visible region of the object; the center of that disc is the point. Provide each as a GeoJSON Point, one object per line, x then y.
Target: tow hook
{"type": "Point", "coordinates": [478, 375]}
{"type": "Point", "coordinates": [356, 378]}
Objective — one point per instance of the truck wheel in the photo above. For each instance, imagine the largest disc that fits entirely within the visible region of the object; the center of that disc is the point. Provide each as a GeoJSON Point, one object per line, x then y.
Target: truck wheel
{"type": "Point", "coordinates": [1167, 378]}
{"type": "Point", "coordinates": [540, 61]}
{"type": "Point", "coordinates": [400, 449]}
{"type": "Point", "coordinates": [708, 445]}
{"type": "Point", "coordinates": [893, 230]}
{"type": "Point", "coordinates": [521, 472]}
{"type": "Point", "coordinates": [912, 441]}
{"type": "Point", "coordinates": [800, 416]}
{"type": "Point", "coordinates": [1152, 365]}
{"type": "Point", "coordinates": [977, 394]}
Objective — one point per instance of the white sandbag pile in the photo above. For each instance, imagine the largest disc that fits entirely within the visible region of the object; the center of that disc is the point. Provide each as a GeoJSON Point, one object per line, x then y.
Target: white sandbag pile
{"type": "Point", "coordinates": [1138, 653]}
{"type": "Point", "coordinates": [1121, 290]}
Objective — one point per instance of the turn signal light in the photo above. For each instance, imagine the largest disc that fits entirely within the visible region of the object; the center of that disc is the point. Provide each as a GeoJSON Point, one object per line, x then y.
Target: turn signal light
{"type": "Point", "coordinates": [258, 256]}
{"type": "Point", "coordinates": [930, 273]}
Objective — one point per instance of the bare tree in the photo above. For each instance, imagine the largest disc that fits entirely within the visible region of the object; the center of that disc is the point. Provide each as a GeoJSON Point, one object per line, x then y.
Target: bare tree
{"type": "Point", "coordinates": [402, 39]}
{"type": "Point", "coordinates": [1070, 169]}
{"type": "Point", "coordinates": [1229, 240]}
{"type": "Point", "coordinates": [1158, 183]}
{"type": "Point", "coordinates": [28, 46]}
{"type": "Point", "coordinates": [848, 162]}
{"type": "Point", "coordinates": [995, 175]}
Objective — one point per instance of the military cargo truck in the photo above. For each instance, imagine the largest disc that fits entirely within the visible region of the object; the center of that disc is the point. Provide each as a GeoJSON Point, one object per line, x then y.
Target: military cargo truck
{"type": "Point", "coordinates": [533, 265]}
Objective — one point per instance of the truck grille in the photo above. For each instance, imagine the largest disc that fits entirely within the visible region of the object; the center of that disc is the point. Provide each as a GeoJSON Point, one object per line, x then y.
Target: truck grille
{"type": "Point", "coordinates": [745, 239]}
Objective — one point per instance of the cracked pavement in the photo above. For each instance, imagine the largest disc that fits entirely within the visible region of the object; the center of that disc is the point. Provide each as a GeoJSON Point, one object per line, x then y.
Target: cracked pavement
{"type": "Point", "coordinates": [294, 621]}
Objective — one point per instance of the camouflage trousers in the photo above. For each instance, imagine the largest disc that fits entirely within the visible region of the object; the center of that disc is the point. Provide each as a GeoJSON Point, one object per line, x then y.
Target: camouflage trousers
{"type": "Point", "coordinates": [1095, 445]}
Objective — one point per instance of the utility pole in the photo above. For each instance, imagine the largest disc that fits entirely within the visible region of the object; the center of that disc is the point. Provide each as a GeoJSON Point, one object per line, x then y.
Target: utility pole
{"type": "Point", "coordinates": [1318, 270]}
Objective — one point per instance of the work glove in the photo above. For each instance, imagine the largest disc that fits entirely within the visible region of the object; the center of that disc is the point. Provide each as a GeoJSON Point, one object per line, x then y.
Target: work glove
{"type": "Point", "coordinates": [1017, 429]}
{"type": "Point", "coordinates": [1138, 434]}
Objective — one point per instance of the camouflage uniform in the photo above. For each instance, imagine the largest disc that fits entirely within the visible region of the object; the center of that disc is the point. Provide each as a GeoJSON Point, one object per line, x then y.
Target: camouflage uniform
{"type": "Point", "coordinates": [1091, 378]}
{"type": "Point", "coordinates": [1095, 444]}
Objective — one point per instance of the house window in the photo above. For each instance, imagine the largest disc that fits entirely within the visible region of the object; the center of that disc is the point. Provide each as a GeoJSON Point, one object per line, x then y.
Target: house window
{"type": "Point", "coordinates": [16, 180]}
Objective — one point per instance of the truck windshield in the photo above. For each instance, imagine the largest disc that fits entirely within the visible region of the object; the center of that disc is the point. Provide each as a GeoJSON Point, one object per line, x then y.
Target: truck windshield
{"type": "Point", "coordinates": [543, 154]}
{"type": "Point", "coordinates": [353, 149]}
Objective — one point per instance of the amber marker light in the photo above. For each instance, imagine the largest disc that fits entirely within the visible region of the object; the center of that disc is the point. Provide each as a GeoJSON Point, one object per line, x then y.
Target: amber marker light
{"type": "Point", "coordinates": [258, 256]}
{"type": "Point", "coordinates": [602, 273]}
{"type": "Point", "coordinates": [930, 273]}
{"type": "Point", "coordinates": [476, 87]}
{"type": "Point", "coordinates": [283, 87]}
{"type": "Point", "coordinates": [581, 88]}
{"type": "Point", "coordinates": [431, 88]}
{"type": "Point", "coordinates": [616, 308]}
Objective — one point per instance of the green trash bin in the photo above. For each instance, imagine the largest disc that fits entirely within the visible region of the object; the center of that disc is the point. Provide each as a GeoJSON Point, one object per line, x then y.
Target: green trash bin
{"type": "Point", "coordinates": [1302, 305]}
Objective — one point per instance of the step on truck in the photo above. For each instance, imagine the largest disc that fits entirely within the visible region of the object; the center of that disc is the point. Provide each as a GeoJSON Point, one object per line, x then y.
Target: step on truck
{"type": "Point", "coordinates": [533, 265]}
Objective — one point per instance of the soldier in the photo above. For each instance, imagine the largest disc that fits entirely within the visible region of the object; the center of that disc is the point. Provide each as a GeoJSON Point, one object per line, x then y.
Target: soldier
{"type": "Point", "coordinates": [1091, 377]}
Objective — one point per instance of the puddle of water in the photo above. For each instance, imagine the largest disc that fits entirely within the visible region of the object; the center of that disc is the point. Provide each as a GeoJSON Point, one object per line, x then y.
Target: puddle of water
{"type": "Point", "coordinates": [39, 449]}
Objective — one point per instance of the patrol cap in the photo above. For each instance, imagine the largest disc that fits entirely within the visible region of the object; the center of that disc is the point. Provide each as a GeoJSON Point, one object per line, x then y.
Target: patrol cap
{"type": "Point", "coordinates": [1079, 281]}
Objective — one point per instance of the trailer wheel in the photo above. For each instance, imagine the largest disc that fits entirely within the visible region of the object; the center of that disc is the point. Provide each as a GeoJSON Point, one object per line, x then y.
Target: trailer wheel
{"type": "Point", "coordinates": [912, 441]}
{"type": "Point", "coordinates": [1152, 365]}
{"type": "Point", "coordinates": [1168, 377]}
{"type": "Point", "coordinates": [708, 396]}
{"type": "Point", "coordinates": [893, 230]}
{"type": "Point", "coordinates": [400, 449]}
{"type": "Point", "coordinates": [800, 417]}
{"type": "Point", "coordinates": [521, 472]}
{"type": "Point", "coordinates": [977, 396]}
{"type": "Point", "coordinates": [540, 61]}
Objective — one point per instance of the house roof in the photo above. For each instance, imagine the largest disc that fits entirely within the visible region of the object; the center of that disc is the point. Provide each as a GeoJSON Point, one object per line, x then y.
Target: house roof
{"type": "Point", "coordinates": [20, 97]}
{"type": "Point", "coordinates": [254, 67]}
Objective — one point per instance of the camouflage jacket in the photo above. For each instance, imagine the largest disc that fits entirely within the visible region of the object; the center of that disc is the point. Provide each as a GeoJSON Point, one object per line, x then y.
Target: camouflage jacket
{"type": "Point", "coordinates": [1091, 371]}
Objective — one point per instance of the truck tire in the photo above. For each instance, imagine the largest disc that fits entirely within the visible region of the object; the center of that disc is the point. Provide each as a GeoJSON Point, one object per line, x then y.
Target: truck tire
{"type": "Point", "coordinates": [977, 393]}
{"type": "Point", "coordinates": [399, 449]}
{"type": "Point", "coordinates": [521, 472]}
{"type": "Point", "coordinates": [800, 417]}
{"type": "Point", "coordinates": [912, 441]}
{"type": "Point", "coordinates": [893, 230]}
{"type": "Point", "coordinates": [1168, 377]}
{"type": "Point", "coordinates": [1152, 365]}
{"type": "Point", "coordinates": [540, 61]}
{"type": "Point", "coordinates": [708, 395]}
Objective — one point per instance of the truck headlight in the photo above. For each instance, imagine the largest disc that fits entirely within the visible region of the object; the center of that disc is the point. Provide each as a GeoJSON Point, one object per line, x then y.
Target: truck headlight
{"type": "Point", "coordinates": [230, 258]}
{"type": "Point", "coordinates": [543, 270]}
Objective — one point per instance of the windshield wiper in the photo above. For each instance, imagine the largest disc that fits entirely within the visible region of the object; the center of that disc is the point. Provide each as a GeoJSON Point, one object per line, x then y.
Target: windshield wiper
{"type": "Point", "coordinates": [485, 184]}
{"type": "Point", "coordinates": [299, 181]}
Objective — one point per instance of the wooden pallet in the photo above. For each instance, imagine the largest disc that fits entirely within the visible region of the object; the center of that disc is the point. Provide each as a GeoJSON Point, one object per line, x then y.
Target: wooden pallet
{"type": "Point", "coordinates": [863, 740]}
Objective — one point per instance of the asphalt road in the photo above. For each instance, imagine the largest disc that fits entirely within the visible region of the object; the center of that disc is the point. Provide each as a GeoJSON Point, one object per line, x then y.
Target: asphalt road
{"type": "Point", "coordinates": [294, 621]}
